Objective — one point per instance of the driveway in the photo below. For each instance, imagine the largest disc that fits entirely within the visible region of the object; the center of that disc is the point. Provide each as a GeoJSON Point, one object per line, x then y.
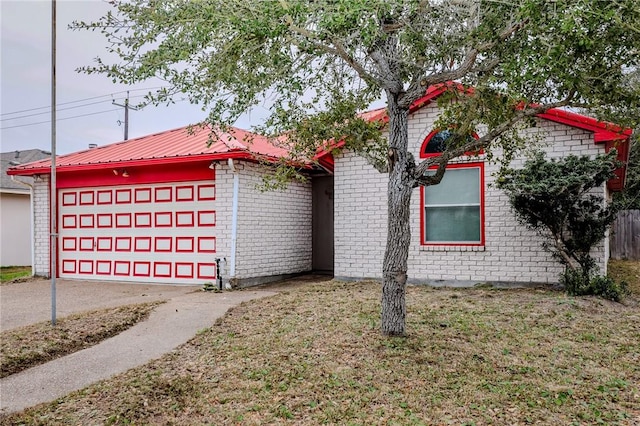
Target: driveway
{"type": "Point", "coordinates": [187, 311]}
{"type": "Point", "coordinates": [30, 302]}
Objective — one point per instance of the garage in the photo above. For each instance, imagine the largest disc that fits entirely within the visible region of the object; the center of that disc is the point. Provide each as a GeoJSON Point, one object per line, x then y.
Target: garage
{"type": "Point", "coordinates": [162, 208]}
{"type": "Point", "coordinates": [143, 233]}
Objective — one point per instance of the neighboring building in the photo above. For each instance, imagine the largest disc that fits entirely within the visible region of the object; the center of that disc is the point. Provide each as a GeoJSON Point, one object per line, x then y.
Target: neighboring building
{"type": "Point", "coordinates": [463, 229]}
{"type": "Point", "coordinates": [16, 219]}
{"type": "Point", "coordinates": [162, 208]}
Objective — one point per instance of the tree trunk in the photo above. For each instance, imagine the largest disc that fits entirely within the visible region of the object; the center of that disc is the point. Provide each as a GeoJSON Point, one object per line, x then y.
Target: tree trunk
{"type": "Point", "coordinates": [394, 268]}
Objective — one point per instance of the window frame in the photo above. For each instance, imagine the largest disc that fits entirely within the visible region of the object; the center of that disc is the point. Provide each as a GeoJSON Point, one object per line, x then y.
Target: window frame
{"type": "Point", "coordinates": [460, 165]}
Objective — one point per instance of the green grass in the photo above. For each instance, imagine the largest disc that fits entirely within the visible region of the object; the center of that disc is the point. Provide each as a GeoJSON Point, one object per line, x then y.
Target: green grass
{"type": "Point", "coordinates": [314, 355]}
{"type": "Point", "coordinates": [8, 273]}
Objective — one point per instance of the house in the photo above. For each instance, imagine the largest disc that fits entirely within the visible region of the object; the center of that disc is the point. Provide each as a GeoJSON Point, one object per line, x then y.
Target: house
{"type": "Point", "coordinates": [169, 208]}
{"type": "Point", "coordinates": [463, 230]}
{"type": "Point", "coordinates": [163, 208]}
{"type": "Point", "coordinates": [15, 209]}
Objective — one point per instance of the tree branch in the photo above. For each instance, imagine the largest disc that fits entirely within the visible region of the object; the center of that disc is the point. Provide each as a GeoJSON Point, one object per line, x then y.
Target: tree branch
{"type": "Point", "coordinates": [465, 66]}
{"type": "Point", "coordinates": [387, 78]}
{"type": "Point", "coordinates": [561, 249]}
{"type": "Point", "coordinates": [477, 144]}
{"type": "Point", "coordinates": [469, 60]}
{"type": "Point", "coordinates": [338, 50]}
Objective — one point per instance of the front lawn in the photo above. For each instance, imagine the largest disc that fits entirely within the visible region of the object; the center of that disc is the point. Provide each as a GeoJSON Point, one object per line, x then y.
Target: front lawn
{"type": "Point", "coordinates": [314, 355]}
{"type": "Point", "coordinates": [26, 347]}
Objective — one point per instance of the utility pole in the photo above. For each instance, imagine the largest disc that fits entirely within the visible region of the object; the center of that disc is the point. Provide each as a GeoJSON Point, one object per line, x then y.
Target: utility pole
{"type": "Point", "coordinates": [126, 107]}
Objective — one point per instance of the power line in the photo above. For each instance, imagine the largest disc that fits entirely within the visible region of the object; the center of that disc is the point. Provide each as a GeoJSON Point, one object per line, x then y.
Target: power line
{"type": "Point", "coordinates": [81, 100]}
{"type": "Point", "coordinates": [60, 119]}
{"type": "Point", "coordinates": [47, 112]}
{"type": "Point", "coordinates": [59, 109]}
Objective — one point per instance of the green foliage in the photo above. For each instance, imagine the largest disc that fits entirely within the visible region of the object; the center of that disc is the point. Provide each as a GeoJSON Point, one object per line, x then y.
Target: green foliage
{"type": "Point", "coordinates": [315, 65]}
{"type": "Point", "coordinates": [563, 201]}
{"type": "Point", "coordinates": [577, 283]}
{"type": "Point", "coordinates": [210, 286]}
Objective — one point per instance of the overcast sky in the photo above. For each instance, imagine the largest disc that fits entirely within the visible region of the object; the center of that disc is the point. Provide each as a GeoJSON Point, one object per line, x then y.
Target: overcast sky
{"type": "Point", "coordinates": [25, 74]}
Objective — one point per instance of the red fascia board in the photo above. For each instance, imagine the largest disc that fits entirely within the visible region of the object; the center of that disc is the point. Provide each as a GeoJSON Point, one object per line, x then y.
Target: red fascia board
{"type": "Point", "coordinates": [603, 131]}
{"type": "Point", "coordinates": [623, 149]}
{"type": "Point", "coordinates": [326, 161]}
{"type": "Point", "coordinates": [433, 93]}
{"type": "Point", "coordinates": [236, 155]}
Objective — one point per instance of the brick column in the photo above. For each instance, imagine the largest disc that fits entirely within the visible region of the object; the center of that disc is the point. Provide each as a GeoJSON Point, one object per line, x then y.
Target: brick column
{"type": "Point", "coordinates": [41, 243]}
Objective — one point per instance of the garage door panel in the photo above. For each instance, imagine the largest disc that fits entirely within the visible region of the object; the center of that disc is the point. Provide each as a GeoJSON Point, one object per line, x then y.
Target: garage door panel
{"type": "Point", "coordinates": [144, 233]}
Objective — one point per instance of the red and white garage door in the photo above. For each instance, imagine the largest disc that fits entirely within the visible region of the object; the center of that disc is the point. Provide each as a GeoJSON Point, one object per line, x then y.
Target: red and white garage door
{"type": "Point", "coordinates": [163, 233]}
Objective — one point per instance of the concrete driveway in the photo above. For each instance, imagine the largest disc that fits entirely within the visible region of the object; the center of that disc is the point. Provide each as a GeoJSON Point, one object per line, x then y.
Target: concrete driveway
{"type": "Point", "coordinates": [30, 302]}
{"type": "Point", "coordinates": [188, 310]}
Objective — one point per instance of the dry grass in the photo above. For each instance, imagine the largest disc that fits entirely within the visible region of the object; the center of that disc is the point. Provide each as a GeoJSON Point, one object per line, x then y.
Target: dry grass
{"type": "Point", "coordinates": [35, 344]}
{"type": "Point", "coordinates": [626, 270]}
{"type": "Point", "coordinates": [314, 355]}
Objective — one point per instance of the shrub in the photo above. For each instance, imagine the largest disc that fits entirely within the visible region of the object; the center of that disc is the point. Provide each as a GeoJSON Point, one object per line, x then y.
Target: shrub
{"type": "Point", "coordinates": [577, 283]}
{"type": "Point", "coordinates": [561, 199]}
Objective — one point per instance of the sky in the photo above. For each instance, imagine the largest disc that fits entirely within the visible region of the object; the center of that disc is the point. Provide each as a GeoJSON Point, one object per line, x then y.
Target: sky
{"type": "Point", "coordinates": [25, 83]}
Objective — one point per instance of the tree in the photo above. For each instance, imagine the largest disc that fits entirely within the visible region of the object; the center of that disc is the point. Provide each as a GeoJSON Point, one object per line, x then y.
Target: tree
{"type": "Point", "coordinates": [318, 63]}
{"type": "Point", "coordinates": [556, 199]}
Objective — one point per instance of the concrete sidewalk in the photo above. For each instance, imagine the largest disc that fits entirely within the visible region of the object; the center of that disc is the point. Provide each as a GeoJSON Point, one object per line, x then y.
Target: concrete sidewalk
{"type": "Point", "coordinates": [168, 326]}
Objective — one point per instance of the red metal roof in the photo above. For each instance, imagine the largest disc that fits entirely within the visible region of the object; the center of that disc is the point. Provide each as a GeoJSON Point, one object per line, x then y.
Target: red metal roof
{"type": "Point", "coordinates": [177, 145]}
{"type": "Point", "coordinates": [180, 145]}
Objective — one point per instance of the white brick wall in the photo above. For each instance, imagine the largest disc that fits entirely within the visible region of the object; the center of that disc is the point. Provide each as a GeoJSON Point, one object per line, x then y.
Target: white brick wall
{"type": "Point", "coordinates": [360, 217]}
{"type": "Point", "coordinates": [511, 252]}
{"type": "Point", "coordinates": [41, 193]}
{"type": "Point", "coordinates": [274, 227]}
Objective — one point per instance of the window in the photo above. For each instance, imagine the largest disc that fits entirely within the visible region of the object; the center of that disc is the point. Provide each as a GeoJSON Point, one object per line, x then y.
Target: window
{"type": "Point", "coordinates": [436, 142]}
{"type": "Point", "coordinates": [452, 212]}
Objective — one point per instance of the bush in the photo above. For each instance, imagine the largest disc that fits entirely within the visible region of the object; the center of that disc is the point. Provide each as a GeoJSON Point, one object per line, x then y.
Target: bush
{"type": "Point", "coordinates": [579, 284]}
{"type": "Point", "coordinates": [561, 199]}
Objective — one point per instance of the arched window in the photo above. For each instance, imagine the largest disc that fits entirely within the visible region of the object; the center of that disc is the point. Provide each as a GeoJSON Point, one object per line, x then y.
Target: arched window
{"type": "Point", "coordinates": [452, 212]}
{"type": "Point", "coordinates": [436, 142]}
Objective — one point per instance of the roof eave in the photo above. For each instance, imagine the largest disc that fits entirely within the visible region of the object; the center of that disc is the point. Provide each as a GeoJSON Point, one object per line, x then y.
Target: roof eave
{"type": "Point", "coordinates": [236, 155]}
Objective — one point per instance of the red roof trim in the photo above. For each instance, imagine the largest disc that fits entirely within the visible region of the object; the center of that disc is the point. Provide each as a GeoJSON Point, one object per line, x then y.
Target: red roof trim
{"type": "Point", "coordinates": [236, 155]}
{"type": "Point", "coordinates": [603, 132]}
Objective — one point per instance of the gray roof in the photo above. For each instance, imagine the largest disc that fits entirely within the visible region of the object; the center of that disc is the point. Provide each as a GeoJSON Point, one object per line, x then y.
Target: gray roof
{"type": "Point", "coordinates": [9, 159]}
